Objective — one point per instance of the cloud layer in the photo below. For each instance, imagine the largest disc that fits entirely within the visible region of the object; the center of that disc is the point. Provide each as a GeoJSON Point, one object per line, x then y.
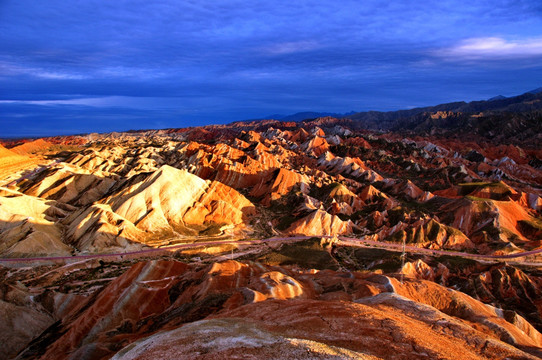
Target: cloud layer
{"type": "Point", "coordinates": [495, 48]}
{"type": "Point", "coordinates": [183, 63]}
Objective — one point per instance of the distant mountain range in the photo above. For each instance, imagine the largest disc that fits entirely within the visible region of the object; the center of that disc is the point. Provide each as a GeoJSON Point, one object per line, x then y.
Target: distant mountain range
{"type": "Point", "coordinates": [396, 120]}
{"type": "Point", "coordinates": [512, 120]}
{"type": "Point", "coordinates": [306, 115]}
{"type": "Point", "coordinates": [386, 119]}
{"type": "Point", "coordinates": [509, 120]}
{"type": "Point", "coordinates": [535, 91]}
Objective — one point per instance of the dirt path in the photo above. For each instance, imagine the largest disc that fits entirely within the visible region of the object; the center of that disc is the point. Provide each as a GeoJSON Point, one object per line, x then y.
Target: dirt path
{"type": "Point", "coordinates": [341, 241]}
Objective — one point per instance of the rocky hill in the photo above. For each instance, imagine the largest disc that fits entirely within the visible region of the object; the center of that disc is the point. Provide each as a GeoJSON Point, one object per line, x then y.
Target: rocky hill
{"type": "Point", "coordinates": [166, 308]}
{"type": "Point", "coordinates": [517, 118]}
{"type": "Point", "coordinates": [173, 209]}
{"type": "Point", "coordinates": [149, 189]}
{"type": "Point", "coordinates": [11, 163]}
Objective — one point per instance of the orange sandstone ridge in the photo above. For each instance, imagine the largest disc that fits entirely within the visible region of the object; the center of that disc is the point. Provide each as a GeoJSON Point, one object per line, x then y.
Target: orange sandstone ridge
{"type": "Point", "coordinates": [168, 308]}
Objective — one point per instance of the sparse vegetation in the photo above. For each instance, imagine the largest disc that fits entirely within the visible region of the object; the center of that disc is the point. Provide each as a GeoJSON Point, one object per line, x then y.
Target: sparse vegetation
{"type": "Point", "coordinates": [307, 254]}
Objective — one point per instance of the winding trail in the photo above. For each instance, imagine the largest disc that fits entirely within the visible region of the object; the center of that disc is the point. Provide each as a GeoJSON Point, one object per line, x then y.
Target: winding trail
{"type": "Point", "coordinates": [340, 241]}
{"type": "Point", "coordinates": [155, 250]}
{"type": "Point", "coordinates": [346, 241]}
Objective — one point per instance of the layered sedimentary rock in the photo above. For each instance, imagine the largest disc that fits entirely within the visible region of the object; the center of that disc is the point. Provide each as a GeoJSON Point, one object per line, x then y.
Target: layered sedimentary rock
{"type": "Point", "coordinates": [284, 182]}
{"type": "Point", "coordinates": [28, 226]}
{"type": "Point", "coordinates": [149, 208]}
{"type": "Point", "coordinates": [320, 222]}
{"type": "Point", "coordinates": [384, 187]}
{"type": "Point", "coordinates": [263, 310]}
{"type": "Point", "coordinates": [70, 185]}
{"type": "Point", "coordinates": [32, 147]}
{"type": "Point", "coordinates": [11, 162]}
{"type": "Point", "coordinates": [135, 191]}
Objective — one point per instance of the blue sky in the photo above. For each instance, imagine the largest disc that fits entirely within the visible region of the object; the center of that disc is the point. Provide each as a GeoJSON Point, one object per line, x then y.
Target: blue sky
{"type": "Point", "coordinates": [98, 66]}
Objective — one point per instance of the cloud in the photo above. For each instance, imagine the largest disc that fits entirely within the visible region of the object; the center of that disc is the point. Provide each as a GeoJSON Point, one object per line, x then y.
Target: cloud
{"type": "Point", "coordinates": [128, 72]}
{"type": "Point", "coordinates": [94, 102]}
{"type": "Point", "coordinates": [187, 62]}
{"type": "Point", "coordinates": [11, 69]}
{"type": "Point", "coordinates": [127, 102]}
{"type": "Point", "coordinates": [492, 48]}
{"type": "Point", "coordinates": [57, 75]}
{"type": "Point", "coordinates": [291, 47]}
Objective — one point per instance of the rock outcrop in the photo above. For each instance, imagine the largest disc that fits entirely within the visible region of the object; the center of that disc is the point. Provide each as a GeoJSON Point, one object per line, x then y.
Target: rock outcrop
{"type": "Point", "coordinates": [266, 310]}
{"type": "Point", "coordinates": [153, 207]}
{"type": "Point", "coordinates": [320, 222]}
{"type": "Point", "coordinates": [27, 226]}
{"type": "Point", "coordinates": [32, 147]}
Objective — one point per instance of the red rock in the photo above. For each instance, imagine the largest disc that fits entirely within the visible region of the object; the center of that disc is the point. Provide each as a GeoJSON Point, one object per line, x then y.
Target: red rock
{"type": "Point", "coordinates": [318, 223]}
{"type": "Point", "coordinates": [32, 147]}
{"type": "Point", "coordinates": [316, 146]}
{"type": "Point", "coordinates": [282, 184]}
{"type": "Point", "coordinates": [358, 141]}
{"type": "Point", "coordinates": [140, 292]}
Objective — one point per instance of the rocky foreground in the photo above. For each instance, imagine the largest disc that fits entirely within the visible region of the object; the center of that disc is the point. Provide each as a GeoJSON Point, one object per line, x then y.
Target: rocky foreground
{"type": "Point", "coordinates": [122, 192]}
{"type": "Point", "coordinates": [167, 308]}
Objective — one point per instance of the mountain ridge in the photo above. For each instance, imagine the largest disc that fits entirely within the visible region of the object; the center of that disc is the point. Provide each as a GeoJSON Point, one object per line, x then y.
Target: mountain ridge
{"type": "Point", "coordinates": [388, 120]}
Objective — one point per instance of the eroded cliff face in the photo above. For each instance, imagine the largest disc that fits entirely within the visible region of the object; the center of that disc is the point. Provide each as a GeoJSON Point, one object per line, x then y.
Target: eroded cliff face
{"type": "Point", "coordinates": [63, 210]}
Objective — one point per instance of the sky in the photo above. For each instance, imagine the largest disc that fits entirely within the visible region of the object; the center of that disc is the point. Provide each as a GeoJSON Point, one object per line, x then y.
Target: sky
{"type": "Point", "coordinates": [70, 67]}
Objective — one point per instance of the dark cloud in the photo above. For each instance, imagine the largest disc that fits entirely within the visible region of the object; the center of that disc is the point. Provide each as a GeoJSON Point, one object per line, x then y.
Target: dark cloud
{"type": "Point", "coordinates": [128, 64]}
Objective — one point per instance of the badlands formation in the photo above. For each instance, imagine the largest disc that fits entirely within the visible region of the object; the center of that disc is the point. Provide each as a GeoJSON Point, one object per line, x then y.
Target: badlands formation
{"type": "Point", "coordinates": [156, 244]}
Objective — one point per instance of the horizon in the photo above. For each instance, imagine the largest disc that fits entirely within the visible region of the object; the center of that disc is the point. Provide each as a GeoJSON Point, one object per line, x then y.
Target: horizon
{"type": "Point", "coordinates": [89, 67]}
{"type": "Point", "coordinates": [346, 113]}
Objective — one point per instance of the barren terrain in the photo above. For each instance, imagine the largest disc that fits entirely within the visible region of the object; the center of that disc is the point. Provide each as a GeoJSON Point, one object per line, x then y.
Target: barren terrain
{"type": "Point", "coordinates": [270, 239]}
